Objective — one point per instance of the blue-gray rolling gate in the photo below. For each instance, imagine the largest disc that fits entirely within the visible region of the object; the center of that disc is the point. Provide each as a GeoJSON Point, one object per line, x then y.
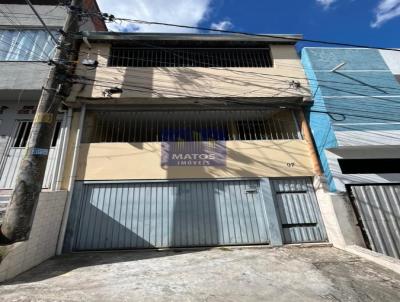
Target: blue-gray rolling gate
{"type": "Point", "coordinates": [137, 215]}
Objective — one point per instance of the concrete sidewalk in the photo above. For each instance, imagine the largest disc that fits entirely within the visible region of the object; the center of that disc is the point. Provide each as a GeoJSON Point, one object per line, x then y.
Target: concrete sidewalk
{"type": "Point", "coordinates": [225, 274]}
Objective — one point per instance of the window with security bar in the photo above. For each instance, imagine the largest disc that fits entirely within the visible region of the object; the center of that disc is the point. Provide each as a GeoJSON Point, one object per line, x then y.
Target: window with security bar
{"type": "Point", "coordinates": [190, 57]}
{"type": "Point", "coordinates": [23, 130]}
{"type": "Point", "coordinates": [175, 126]}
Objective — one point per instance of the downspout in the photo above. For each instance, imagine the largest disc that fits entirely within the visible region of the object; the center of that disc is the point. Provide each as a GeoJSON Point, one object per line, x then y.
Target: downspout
{"type": "Point", "coordinates": [63, 155]}
{"type": "Point", "coordinates": [308, 137]}
{"type": "Point", "coordinates": [71, 181]}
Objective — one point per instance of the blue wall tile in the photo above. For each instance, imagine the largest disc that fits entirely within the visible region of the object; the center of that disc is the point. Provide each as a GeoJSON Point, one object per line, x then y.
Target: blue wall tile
{"type": "Point", "coordinates": [360, 96]}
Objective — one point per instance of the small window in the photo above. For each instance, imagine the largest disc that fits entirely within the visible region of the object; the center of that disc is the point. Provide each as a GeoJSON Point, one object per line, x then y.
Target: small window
{"type": "Point", "coordinates": [24, 129]}
{"type": "Point", "coordinates": [370, 165]}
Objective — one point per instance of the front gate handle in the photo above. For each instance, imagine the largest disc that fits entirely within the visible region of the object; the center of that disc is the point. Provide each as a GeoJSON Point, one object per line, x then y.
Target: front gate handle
{"type": "Point", "coordinates": [248, 191]}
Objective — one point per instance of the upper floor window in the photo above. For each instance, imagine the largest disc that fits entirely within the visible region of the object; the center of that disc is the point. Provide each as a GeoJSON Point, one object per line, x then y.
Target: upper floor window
{"type": "Point", "coordinates": [25, 45]}
{"type": "Point", "coordinates": [190, 57]}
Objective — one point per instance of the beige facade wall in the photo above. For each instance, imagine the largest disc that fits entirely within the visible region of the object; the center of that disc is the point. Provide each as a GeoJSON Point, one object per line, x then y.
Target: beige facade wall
{"type": "Point", "coordinates": [194, 82]}
{"type": "Point", "coordinates": [116, 161]}
{"type": "Point", "coordinates": [42, 242]}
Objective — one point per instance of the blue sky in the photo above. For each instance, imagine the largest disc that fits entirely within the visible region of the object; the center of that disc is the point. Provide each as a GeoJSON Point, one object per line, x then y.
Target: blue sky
{"type": "Point", "coordinates": [370, 22]}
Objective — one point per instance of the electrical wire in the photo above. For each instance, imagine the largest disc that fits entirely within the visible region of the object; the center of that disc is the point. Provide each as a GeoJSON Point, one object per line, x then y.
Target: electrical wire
{"type": "Point", "coordinates": [24, 49]}
{"type": "Point", "coordinates": [25, 16]}
{"type": "Point", "coordinates": [257, 35]}
{"type": "Point", "coordinates": [112, 18]}
{"type": "Point", "coordinates": [224, 100]}
{"type": "Point", "coordinates": [243, 72]}
{"type": "Point", "coordinates": [16, 27]}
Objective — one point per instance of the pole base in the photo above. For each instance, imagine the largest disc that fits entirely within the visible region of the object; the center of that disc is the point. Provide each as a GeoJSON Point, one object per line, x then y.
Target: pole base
{"type": "Point", "coordinates": [4, 240]}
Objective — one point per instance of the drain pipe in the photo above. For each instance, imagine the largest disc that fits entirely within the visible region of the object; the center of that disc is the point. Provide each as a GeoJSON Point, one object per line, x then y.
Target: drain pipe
{"type": "Point", "coordinates": [64, 150]}
{"type": "Point", "coordinates": [71, 181]}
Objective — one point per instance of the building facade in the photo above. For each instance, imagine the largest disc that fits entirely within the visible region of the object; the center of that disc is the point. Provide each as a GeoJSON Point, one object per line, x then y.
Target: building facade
{"type": "Point", "coordinates": [356, 127]}
{"type": "Point", "coordinates": [185, 140]}
{"type": "Point", "coordinates": [25, 49]}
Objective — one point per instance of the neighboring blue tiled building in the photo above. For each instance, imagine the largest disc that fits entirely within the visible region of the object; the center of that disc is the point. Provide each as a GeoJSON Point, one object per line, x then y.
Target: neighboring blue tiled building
{"type": "Point", "coordinates": [355, 118]}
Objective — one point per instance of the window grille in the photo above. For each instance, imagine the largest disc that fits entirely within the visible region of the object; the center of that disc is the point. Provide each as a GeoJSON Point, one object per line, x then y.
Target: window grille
{"type": "Point", "coordinates": [190, 57]}
{"type": "Point", "coordinates": [24, 129]}
{"type": "Point", "coordinates": [150, 126]}
{"type": "Point", "coordinates": [26, 45]}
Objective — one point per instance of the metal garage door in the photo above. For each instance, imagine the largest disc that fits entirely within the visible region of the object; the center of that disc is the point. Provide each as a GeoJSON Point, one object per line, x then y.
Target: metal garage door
{"type": "Point", "coordinates": [379, 210]}
{"type": "Point", "coordinates": [298, 210]}
{"type": "Point", "coordinates": [168, 214]}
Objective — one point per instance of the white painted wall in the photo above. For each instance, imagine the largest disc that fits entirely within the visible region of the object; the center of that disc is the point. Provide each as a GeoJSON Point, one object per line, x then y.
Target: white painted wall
{"type": "Point", "coordinates": [338, 216]}
{"type": "Point", "coordinates": [42, 243]}
{"type": "Point", "coordinates": [392, 59]}
{"type": "Point", "coordinates": [368, 137]}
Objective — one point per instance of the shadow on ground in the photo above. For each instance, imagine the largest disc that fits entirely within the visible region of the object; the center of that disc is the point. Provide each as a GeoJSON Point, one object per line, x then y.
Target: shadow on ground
{"type": "Point", "coordinates": [64, 264]}
{"type": "Point", "coordinates": [228, 274]}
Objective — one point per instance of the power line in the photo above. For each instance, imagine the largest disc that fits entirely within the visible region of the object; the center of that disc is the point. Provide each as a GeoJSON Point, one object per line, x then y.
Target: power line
{"type": "Point", "coordinates": [239, 71]}
{"type": "Point", "coordinates": [25, 50]}
{"type": "Point", "coordinates": [346, 89]}
{"type": "Point", "coordinates": [246, 103]}
{"type": "Point", "coordinates": [41, 21]}
{"type": "Point", "coordinates": [25, 15]}
{"type": "Point", "coordinates": [112, 18]}
{"type": "Point", "coordinates": [16, 27]}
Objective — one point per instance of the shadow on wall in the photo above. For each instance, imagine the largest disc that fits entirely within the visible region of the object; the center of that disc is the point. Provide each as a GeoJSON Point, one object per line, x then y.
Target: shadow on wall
{"type": "Point", "coordinates": [166, 214]}
{"type": "Point", "coordinates": [130, 80]}
{"type": "Point", "coordinates": [225, 82]}
{"type": "Point", "coordinates": [241, 165]}
{"type": "Point", "coordinates": [107, 224]}
{"type": "Point", "coordinates": [140, 216]}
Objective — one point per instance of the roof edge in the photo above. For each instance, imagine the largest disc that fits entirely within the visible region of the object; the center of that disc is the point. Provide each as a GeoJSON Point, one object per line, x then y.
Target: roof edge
{"type": "Point", "coordinates": [115, 36]}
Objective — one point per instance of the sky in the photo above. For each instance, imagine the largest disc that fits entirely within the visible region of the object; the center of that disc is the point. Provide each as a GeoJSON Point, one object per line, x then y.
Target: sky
{"type": "Point", "coordinates": [366, 22]}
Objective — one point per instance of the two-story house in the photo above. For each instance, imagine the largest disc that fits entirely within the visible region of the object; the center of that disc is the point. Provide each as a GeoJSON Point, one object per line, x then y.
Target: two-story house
{"type": "Point", "coordinates": [185, 140]}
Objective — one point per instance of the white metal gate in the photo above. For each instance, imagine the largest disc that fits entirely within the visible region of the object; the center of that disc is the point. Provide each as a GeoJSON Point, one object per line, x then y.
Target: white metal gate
{"type": "Point", "coordinates": [15, 152]}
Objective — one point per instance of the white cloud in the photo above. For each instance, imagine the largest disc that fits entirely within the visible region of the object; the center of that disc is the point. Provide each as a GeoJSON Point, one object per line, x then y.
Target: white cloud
{"type": "Point", "coordinates": [185, 12]}
{"type": "Point", "coordinates": [222, 25]}
{"type": "Point", "coordinates": [386, 10]}
{"type": "Point", "coordinates": [326, 3]}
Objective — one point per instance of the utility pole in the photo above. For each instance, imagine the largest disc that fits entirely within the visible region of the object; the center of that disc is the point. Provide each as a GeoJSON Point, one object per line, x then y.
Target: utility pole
{"type": "Point", "coordinates": [21, 210]}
